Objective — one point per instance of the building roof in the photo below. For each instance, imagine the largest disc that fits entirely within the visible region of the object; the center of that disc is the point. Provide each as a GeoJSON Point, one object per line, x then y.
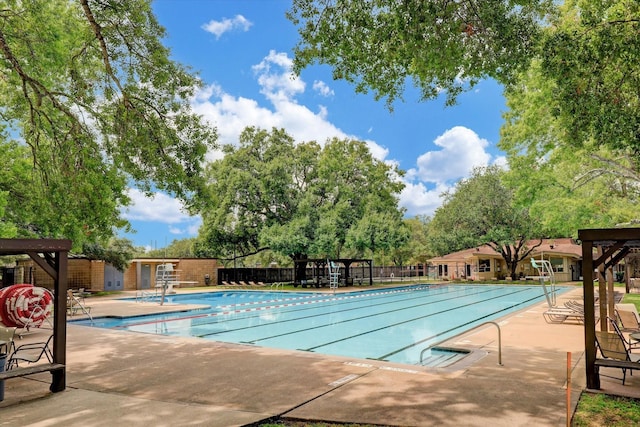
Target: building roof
{"type": "Point", "coordinates": [566, 247]}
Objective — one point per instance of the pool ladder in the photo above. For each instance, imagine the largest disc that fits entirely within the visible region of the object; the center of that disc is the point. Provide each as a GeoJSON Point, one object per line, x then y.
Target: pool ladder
{"type": "Point", "coordinates": [475, 327]}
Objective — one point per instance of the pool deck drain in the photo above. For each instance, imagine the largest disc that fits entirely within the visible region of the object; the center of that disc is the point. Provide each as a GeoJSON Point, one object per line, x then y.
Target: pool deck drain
{"type": "Point", "coordinates": [119, 377]}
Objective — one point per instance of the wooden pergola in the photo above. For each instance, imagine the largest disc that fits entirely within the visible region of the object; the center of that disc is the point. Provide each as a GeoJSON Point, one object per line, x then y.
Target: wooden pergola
{"type": "Point", "coordinates": [51, 255]}
{"type": "Point", "coordinates": [602, 249]}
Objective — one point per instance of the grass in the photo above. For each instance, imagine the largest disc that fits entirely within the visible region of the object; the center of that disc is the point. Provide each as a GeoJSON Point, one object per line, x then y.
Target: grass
{"type": "Point", "coordinates": [632, 299]}
{"type": "Point", "coordinates": [595, 410]}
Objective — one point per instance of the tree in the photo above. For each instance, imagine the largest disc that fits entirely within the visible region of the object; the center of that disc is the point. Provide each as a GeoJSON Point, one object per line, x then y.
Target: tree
{"type": "Point", "coordinates": [564, 185]}
{"type": "Point", "coordinates": [300, 200]}
{"type": "Point", "coordinates": [418, 245]}
{"type": "Point", "coordinates": [442, 46]}
{"type": "Point", "coordinates": [178, 248]}
{"type": "Point", "coordinates": [90, 103]}
{"type": "Point", "coordinates": [118, 252]}
{"type": "Point", "coordinates": [481, 211]}
{"type": "Point", "coordinates": [590, 52]}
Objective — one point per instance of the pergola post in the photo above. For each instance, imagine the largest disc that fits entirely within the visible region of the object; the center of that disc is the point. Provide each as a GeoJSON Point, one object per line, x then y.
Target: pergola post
{"type": "Point", "coordinates": [612, 246]}
{"type": "Point", "coordinates": [593, 380]}
{"type": "Point", "coordinates": [51, 255]}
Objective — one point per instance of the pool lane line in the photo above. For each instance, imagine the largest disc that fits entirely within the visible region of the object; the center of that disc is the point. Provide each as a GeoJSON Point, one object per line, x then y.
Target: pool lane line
{"type": "Point", "coordinates": [299, 318]}
{"type": "Point", "coordinates": [359, 295]}
{"type": "Point", "coordinates": [383, 358]}
{"type": "Point", "coordinates": [239, 311]}
{"type": "Point", "coordinates": [374, 294]}
{"type": "Point", "coordinates": [447, 295]}
{"type": "Point", "coordinates": [255, 309]}
{"type": "Point", "coordinates": [374, 315]}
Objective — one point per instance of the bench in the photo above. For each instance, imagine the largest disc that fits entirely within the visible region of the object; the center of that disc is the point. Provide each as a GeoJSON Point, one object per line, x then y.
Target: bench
{"type": "Point", "coordinates": [616, 363]}
{"type": "Point", "coordinates": [30, 370]}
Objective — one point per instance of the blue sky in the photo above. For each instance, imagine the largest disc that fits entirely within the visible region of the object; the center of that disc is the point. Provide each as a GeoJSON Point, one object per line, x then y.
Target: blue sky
{"type": "Point", "coordinates": [242, 50]}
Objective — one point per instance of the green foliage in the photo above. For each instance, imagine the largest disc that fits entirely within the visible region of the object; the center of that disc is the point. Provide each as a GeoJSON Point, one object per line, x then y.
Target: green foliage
{"type": "Point", "coordinates": [571, 80]}
{"type": "Point", "coordinates": [441, 46]}
{"type": "Point", "coordinates": [591, 52]}
{"type": "Point", "coordinates": [566, 187]}
{"type": "Point", "coordinates": [90, 103]}
{"type": "Point", "coordinates": [182, 248]}
{"type": "Point", "coordinates": [418, 245]}
{"type": "Point", "coordinates": [299, 199]}
{"type": "Point", "coordinates": [7, 230]}
{"type": "Point", "coordinates": [118, 252]}
{"type": "Point", "coordinates": [481, 211]}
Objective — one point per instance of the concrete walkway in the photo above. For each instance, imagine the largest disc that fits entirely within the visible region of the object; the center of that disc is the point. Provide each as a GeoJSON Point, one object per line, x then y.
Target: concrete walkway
{"type": "Point", "coordinates": [123, 378]}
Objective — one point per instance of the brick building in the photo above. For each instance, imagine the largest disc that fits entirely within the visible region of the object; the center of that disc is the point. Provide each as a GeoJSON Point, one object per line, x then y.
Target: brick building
{"type": "Point", "coordinates": [97, 276]}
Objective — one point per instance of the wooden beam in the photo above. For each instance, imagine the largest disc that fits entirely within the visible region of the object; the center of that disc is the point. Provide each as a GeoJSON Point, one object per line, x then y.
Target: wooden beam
{"type": "Point", "coordinates": [21, 246]}
{"type": "Point", "coordinates": [44, 264]}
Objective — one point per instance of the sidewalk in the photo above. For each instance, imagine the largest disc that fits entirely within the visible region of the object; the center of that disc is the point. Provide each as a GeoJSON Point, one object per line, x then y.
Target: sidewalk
{"type": "Point", "coordinates": [117, 377]}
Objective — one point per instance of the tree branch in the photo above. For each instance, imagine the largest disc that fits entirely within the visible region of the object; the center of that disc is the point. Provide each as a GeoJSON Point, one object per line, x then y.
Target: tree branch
{"type": "Point", "coordinates": [97, 30]}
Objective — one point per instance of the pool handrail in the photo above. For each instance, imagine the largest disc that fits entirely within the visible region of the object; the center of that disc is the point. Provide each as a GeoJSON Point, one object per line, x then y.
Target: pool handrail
{"type": "Point", "coordinates": [469, 330]}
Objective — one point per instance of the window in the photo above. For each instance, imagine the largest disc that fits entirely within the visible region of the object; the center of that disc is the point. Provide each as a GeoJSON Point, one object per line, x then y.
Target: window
{"type": "Point", "coordinates": [557, 264]}
{"type": "Point", "coordinates": [484, 265]}
{"type": "Point", "coordinates": [443, 270]}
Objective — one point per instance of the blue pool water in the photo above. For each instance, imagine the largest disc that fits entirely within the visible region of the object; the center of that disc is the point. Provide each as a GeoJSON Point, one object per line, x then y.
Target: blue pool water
{"type": "Point", "coordinates": [393, 324]}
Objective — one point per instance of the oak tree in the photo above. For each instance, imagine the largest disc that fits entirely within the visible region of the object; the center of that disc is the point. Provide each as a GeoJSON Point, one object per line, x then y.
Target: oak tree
{"type": "Point", "coordinates": [91, 104]}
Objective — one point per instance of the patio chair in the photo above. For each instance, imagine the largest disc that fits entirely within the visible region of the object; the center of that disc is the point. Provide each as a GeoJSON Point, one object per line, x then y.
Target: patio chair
{"type": "Point", "coordinates": [627, 316]}
{"type": "Point", "coordinates": [614, 346]}
{"type": "Point", "coordinates": [30, 353]}
{"type": "Point", "coordinates": [632, 340]}
{"type": "Point", "coordinates": [75, 305]}
{"type": "Point", "coordinates": [7, 336]}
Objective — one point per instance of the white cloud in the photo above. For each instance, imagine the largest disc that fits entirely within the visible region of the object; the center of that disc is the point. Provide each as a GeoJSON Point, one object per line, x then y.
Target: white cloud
{"type": "Point", "coordinates": [163, 209]}
{"type": "Point", "coordinates": [417, 199]}
{"type": "Point", "coordinates": [462, 150]}
{"type": "Point", "coordinates": [438, 171]}
{"type": "Point", "coordinates": [279, 85]}
{"type": "Point", "coordinates": [218, 28]}
{"type": "Point", "coordinates": [322, 88]}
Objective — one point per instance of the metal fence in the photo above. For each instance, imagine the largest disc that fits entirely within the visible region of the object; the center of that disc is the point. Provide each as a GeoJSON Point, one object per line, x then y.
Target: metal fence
{"type": "Point", "coordinates": [359, 274]}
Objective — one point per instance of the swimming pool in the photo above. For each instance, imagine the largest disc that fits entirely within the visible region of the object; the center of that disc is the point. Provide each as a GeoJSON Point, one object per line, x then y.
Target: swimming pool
{"type": "Point", "coordinates": [393, 324]}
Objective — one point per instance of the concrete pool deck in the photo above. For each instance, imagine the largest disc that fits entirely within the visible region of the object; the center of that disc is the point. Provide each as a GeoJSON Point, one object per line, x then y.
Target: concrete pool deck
{"type": "Point", "coordinates": [118, 377]}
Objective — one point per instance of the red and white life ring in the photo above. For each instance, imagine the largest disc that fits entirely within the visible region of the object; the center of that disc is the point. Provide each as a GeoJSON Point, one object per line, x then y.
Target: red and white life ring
{"type": "Point", "coordinates": [25, 305]}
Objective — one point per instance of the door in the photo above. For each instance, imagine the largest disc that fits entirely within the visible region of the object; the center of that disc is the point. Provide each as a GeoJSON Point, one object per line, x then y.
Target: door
{"type": "Point", "coordinates": [145, 276]}
{"type": "Point", "coordinates": [113, 279]}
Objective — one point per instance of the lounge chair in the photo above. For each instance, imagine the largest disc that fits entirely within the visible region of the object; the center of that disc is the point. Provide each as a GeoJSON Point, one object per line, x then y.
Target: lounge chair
{"type": "Point", "coordinates": [257, 285]}
{"type": "Point", "coordinates": [569, 312]}
{"type": "Point", "coordinates": [7, 336]}
{"type": "Point", "coordinates": [30, 353]}
{"type": "Point", "coordinates": [616, 352]}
